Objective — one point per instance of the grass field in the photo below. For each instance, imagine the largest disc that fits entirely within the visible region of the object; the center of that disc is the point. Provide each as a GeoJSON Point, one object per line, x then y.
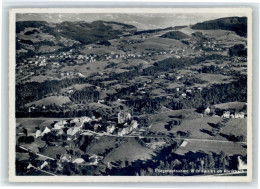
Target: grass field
{"type": "Point", "coordinates": [31, 123]}
{"type": "Point", "coordinates": [58, 100]}
{"type": "Point", "coordinates": [93, 67]}
{"type": "Point", "coordinates": [236, 127]}
{"type": "Point", "coordinates": [102, 144]}
{"type": "Point", "coordinates": [198, 125]}
{"type": "Point", "coordinates": [214, 78]}
{"type": "Point", "coordinates": [76, 87]}
{"type": "Point", "coordinates": [46, 48]}
{"type": "Point", "coordinates": [232, 105]}
{"type": "Point", "coordinates": [156, 43]}
{"type": "Point", "coordinates": [42, 78]}
{"type": "Point", "coordinates": [212, 146]}
{"type": "Point", "coordinates": [100, 50]}
{"type": "Point", "coordinates": [130, 150]}
{"type": "Point", "coordinates": [158, 121]}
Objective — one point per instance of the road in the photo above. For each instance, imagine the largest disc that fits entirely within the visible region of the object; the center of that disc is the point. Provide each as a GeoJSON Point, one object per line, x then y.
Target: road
{"type": "Point", "coordinates": [156, 136]}
{"type": "Point", "coordinates": [26, 149]}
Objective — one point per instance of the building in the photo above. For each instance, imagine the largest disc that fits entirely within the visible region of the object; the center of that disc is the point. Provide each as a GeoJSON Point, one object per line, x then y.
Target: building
{"type": "Point", "coordinates": [226, 114]}
{"type": "Point", "coordinates": [38, 133]}
{"type": "Point", "coordinates": [97, 127]}
{"type": "Point", "coordinates": [73, 130]}
{"type": "Point", "coordinates": [239, 115]}
{"type": "Point", "coordinates": [78, 160]}
{"type": "Point", "coordinates": [65, 158]}
{"type": "Point", "coordinates": [133, 125]}
{"type": "Point", "coordinates": [45, 163]}
{"type": "Point", "coordinates": [207, 111]}
{"type": "Point", "coordinates": [241, 165]}
{"type": "Point", "coordinates": [123, 131]}
{"type": "Point", "coordinates": [189, 91]}
{"type": "Point", "coordinates": [183, 95]}
{"type": "Point", "coordinates": [45, 131]}
{"type": "Point", "coordinates": [111, 128]}
{"type": "Point", "coordinates": [123, 117]}
{"type": "Point", "coordinates": [59, 125]}
{"type": "Point", "coordinates": [94, 159]}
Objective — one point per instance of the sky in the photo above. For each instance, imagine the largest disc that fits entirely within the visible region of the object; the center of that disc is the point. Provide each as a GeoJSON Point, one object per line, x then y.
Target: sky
{"type": "Point", "coordinates": [141, 21]}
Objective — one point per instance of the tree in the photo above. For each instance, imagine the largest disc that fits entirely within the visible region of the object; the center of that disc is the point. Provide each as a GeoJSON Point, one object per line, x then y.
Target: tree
{"type": "Point", "coordinates": [219, 125]}
{"type": "Point", "coordinates": [188, 133]}
{"type": "Point", "coordinates": [241, 138]}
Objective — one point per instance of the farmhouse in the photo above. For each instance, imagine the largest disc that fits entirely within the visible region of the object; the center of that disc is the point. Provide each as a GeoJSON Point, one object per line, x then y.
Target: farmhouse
{"type": "Point", "coordinates": [207, 111]}
{"type": "Point", "coordinates": [59, 125]}
{"type": "Point", "coordinates": [45, 163]}
{"type": "Point", "coordinates": [123, 131]}
{"type": "Point", "coordinates": [128, 128]}
{"type": "Point", "coordinates": [226, 114]}
{"type": "Point", "coordinates": [241, 165]}
{"type": "Point", "coordinates": [239, 115]}
{"type": "Point", "coordinates": [78, 160]}
{"type": "Point", "coordinates": [94, 159]}
{"type": "Point", "coordinates": [111, 128]}
{"type": "Point", "coordinates": [73, 130]}
{"type": "Point", "coordinates": [39, 132]}
{"type": "Point", "coordinates": [123, 117]}
{"type": "Point", "coordinates": [184, 143]}
{"type": "Point", "coordinates": [183, 95]}
{"type": "Point", "coordinates": [65, 158]}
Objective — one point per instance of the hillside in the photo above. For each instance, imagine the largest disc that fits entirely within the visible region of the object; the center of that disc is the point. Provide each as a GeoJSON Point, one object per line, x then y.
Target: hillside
{"type": "Point", "coordinates": [236, 24]}
{"type": "Point", "coordinates": [34, 37]}
{"type": "Point", "coordinates": [175, 35]}
{"type": "Point", "coordinates": [130, 150]}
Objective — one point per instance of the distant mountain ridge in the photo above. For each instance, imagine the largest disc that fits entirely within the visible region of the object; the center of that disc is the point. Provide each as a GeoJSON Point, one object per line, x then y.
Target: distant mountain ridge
{"type": "Point", "coordinates": [81, 31]}
{"type": "Point", "coordinates": [236, 24]}
{"type": "Point", "coordinates": [37, 37]}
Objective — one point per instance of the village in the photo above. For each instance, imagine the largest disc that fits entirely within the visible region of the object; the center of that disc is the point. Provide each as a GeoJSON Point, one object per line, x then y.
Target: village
{"type": "Point", "coordinates": [130, 101]}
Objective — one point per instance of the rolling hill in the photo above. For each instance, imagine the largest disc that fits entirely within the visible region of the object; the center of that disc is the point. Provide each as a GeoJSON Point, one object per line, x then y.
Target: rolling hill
{"type": "Point", "coordinates": [236, 24]}
{"type": "Point", "coordinates": [41, 33]}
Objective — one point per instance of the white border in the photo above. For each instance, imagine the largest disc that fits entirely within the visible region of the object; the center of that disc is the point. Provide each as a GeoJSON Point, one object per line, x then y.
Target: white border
{"type": "Point", "coordinates": [12, 123]}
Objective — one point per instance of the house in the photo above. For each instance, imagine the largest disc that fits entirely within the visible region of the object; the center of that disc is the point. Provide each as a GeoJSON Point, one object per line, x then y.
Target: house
{"type": "Point", "coordinates": [38, 133]}
{"type": "Point", "coordinates": [73, 130]}
{"type": "Point", "coordinates": [241, 165]}
{"type": "Point", "coordinates": [178, 77]}
{"type": "Point", "coordinates": [226, 114]}
{"type": "Point", "coordinates": [123, 117]}
{"type": "Point", "coordinates": [29, 166]}
{"type": "Point", "coordinates": [101, 101]}
{"type": "Point", "coordinates": [45, 131]}
{"type": "Point", "coordinates": [78, 160]}
{"type": "Point", "coordinates": [162, 76]}
{"type": "Point", "coordinates": [94, 159]}
{"type": "Point", "coordinates": [134, 125]}
{"type": "Point", "coordinates": [239, 115]}
{"type": "Point", "coordinates": [65, 158]}
{"type": "Point", "coordinates": [207, 111]}
{"type": "Point", "coordinates": [111, 128]}
{"type": "Point", "coordinates": [123, 131]}
{"type": "Point", "coordinates": [189, 91]}
{"type": "Point", "coordinates": [183, 95]}
{"type": "Point", "coordinates": [184, 143]}
{"type": "Point", "coordinates": [45, 163]}
{"type": "Point", "coordinates": [96, 127]}
{"type": "Point", "coordinates": [59, 125]}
